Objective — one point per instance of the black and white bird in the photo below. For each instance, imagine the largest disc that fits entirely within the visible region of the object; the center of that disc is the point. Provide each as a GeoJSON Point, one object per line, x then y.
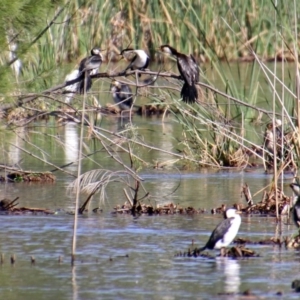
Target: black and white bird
{"type": "Point", "coordinates": [139, 59]}
{"type": "Point", "coordinates": [71, 89]}
{"type": "Point", "coordinates": [189, 71]}
{"type": "Point", "coordinates": [296, 207]}
{"type": "Point", "coordinates": [225, 232]}
{"type": "Point", "coordinates": [122, 95]}
{"type": "Point", "coordinates": [87, 67]}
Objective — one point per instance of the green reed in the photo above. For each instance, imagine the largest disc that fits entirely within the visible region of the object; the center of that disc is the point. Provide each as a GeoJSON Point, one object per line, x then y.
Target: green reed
{"type": "Point", "coordinates": [213, 31]}
{"type": "Point", "coordinates": [210, 30]}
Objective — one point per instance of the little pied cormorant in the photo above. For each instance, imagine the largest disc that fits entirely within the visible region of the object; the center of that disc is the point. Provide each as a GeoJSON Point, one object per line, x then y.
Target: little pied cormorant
{"type": "Point", "coordinates": [139, 59]}
{"type": "Point", "coordinates": [189, 72]}
{"type": "Point", "coordinates": [87, 67]}
{"type": "Point", "coordinates": [122, 94]}
{"type": "Point", "coordinates": [225, 232]}
{"type": "Point", "coordinates": [72, 88]}
{"type": "Point", "coordinates": [296, 208]}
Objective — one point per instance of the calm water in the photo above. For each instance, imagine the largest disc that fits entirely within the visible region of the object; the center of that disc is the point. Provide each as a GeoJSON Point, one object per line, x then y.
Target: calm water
{"type": "Point", "coordinates": [121, 257]}
{"type": "Point", "coordinates": [103, 270]}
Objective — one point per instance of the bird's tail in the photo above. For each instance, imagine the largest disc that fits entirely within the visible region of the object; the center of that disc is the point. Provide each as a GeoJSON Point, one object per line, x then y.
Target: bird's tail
{"type": "Point", "coordinates": [202, 249]}
{"type": "Point", "coordinates": [85, 83]}
{"type": "Point", "coordinates": [189, 93]}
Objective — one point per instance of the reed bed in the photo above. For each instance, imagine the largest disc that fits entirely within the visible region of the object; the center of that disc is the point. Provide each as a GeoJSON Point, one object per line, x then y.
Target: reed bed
{"type": "Point", "coordinates": [213, 132]}
{"type": "Point", "coordinates": [214, 32]}
{"type": "Point", "coordinates": [210, 30]}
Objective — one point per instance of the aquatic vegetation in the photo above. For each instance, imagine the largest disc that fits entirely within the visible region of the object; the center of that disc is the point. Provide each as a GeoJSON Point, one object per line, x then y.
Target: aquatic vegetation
{"type": "Point", "coordinates": [233, 252]}
{"type": "Point", "coordinates": [8, 206]}
{"type": "Point", "coordinates": [215, 130]}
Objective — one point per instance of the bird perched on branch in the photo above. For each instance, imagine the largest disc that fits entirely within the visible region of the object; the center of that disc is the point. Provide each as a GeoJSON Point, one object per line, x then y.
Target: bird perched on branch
{"type": "Point", "coordinates": [139, 59]}
{"type": "Point", "coordinates": [225, 232]}
{"type": "Point", "coordinates": [189, 72]}
{"type": "Point", "coordinates": [71, 89]}
{"type": "Point", "coordinates": [87, 67]}
{"type": "Point", "coordinates": [122, 95]}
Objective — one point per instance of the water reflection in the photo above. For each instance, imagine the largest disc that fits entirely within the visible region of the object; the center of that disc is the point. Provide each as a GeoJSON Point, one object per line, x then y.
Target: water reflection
{"type": "Point", "coordinates": [71, 142]}
{"type": "Point", "coordinates": [122, 122]}
{"type": "Point", "coordinates": [17, 142]}
{"type": "Point", "coordinates": [231, 270]}
{"type": "Point", "coordinates": [74, 283]}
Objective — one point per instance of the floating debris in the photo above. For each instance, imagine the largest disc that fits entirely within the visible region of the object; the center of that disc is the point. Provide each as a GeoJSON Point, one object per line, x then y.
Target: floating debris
{"type": "Point", "coordinates": [267, 205]}
{"type": "Point", "coordinates": [25, 176]}
{"type": "Point", "coordinates": [233, 252]}
{"type": "Point", "coordinates": [293, 242]}
{"type": "Point", "coordinates": [8, 206]}
{"type": "Point", "coordinates": [167, 209]}
{"type": "Point", "coordinates": [273, 241]}
{"type": "Point", "coordinates": [30, 177]}
{"type": "Point", "coordinates": [247, 294]}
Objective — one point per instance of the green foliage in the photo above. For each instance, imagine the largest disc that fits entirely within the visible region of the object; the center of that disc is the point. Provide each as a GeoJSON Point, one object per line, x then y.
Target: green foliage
{"type": "Point", "coordinates": [20, 23]}
{"type": "Point", "coordinates": [212, 29]}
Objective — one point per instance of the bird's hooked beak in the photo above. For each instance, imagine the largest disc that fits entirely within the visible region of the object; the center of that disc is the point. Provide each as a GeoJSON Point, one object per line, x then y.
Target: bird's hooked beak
{"type": "Point", "coordinates": [161, 50]}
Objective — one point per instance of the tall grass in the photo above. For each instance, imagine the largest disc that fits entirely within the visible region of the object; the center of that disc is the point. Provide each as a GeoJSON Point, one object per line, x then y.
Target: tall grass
{"type": "Point", "coordinates": [208, 29]}
{"type": "Point", "coordinates": [211, 30]}
{"type": "Point", "coordinates": [214, 132]}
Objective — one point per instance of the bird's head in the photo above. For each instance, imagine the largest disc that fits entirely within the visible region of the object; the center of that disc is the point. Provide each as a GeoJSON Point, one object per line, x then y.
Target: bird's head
{"type": "Point", "coordinates": [115, 83]}
{"type": "Point", "coordinates": [231, 213]}
{"type": "Point", "coordinates": [125, 53]}
{"type": "Point", "coordinates": [96, 51]}
{"type": "Point", "coordinates": [167, 49]}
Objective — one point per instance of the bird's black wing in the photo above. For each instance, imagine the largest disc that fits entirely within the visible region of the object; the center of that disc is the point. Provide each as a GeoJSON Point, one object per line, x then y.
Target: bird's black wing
{"type": "Point", "coordinates": [296, 213]}
{"type": "Point", "coordinates": [82, 64]}
{"type": "Point", "coordinates": [196, 68]}
{"type": "Point", "coordinates": [188, 69]}
{"type": "Point", "coordinates": [130, 66]}
{"type": "Point", "coordinates": [218, 233]}
{"type": "Point", "coordinates": [90, 63]}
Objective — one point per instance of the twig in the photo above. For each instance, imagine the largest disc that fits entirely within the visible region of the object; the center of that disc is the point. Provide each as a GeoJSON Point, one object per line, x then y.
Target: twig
{"type": "Point", "coordinates": [47, 162]}
{"type": "Point", "coordinates": [40, 34]}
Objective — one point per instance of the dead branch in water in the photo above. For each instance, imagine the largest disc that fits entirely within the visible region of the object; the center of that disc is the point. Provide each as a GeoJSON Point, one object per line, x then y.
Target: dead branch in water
{"type": "Point", "coordinates": [28, 176]}
{"type": "Point", "coordinates": [247, 194]}
{"type": "Point", "coordinates": [9, 206]}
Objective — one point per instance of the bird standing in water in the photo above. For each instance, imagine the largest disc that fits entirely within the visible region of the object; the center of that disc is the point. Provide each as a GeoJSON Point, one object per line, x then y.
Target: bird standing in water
{"type": "Point", "coordinates": [122, 95]}
{"type": "Point", "coordinates": [225, 232]}
{"type": "Point", "coordinates": [189, 72]}
{"type": "Point", "coordinates": [87, 67]}
{"type": "Point", "coordinates": [139, 59]}
{"type": "Point", "coordinates": [296, 208]}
